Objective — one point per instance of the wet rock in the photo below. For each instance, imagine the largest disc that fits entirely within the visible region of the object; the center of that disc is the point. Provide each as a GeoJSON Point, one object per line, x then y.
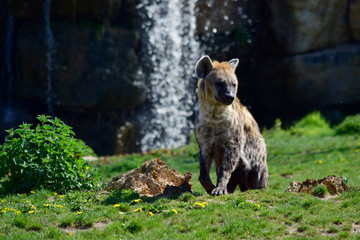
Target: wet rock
{"type": "Point", "coordinates": [334, 185]}
{"type": "Point", "coordinates": [126, 139]}
{"type": "Point", "coordinates": [153, 178]}
{"type": "Point", "coordinates": [354, 18]}
{"type": "Point", "coordinates": [303, 26]}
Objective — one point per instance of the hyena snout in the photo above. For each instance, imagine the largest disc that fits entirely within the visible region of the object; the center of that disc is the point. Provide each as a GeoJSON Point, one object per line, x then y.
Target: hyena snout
{"type": "Point", "coordinates": [226, 97]}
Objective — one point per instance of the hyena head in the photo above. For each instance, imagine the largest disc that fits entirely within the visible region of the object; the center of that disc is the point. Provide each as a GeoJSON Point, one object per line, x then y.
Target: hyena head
{"type": "Point", "coordinates": [218, 82]}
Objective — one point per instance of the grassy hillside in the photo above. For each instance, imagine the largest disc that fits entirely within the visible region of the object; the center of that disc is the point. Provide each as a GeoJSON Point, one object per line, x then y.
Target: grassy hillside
{"type": "Point", "coordinates": [311, 148]}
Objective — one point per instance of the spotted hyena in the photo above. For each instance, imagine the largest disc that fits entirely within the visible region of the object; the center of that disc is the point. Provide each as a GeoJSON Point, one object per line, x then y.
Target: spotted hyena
{"type": "Point", "coordinates": [226, 132]}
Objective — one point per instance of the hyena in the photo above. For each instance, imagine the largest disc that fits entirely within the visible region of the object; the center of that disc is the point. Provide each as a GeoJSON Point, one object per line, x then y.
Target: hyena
{"type": "Point", "coordinates": [226, 132]}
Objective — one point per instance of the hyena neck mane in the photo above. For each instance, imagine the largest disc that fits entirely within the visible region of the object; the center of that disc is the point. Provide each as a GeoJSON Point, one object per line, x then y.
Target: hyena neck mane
{"type": "Point", "coordinates": [215, 113]}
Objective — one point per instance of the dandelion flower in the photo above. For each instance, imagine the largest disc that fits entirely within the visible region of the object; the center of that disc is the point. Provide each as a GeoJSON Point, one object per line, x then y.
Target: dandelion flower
{"type": "Point", "coordinates": [2, 201]}
{"type": "Point", "coordinates": [32, 192]}
{"type": "Point", "coordinates": [87, 168]}
{"type": "Point", "coordinates": [116, 205]}
{"type": "Point", "coordinates": [137, 200]}
{"type": "Point", "coordinates": [31, 211]}
{"type": "Point", "coordinates": [47, 205]}
{"type": "Point", "coordinates": [341, 159]}
{"type": "Point", "coordinates": [138, 210]}
{"type": "Point", "coordinates": [202, 205]}
{"type": "Point", "coordinates": [150, 213]}
{"type": "Point", "coordinates": [78, 213]}
{"type": "Point", "coordinates": [320, 162]}
{"type": "Point", "coordinates": [27, 201]}
{"type": "Point", "coordinates": [3, 211]}
{"type": "Point", "coordinates": [69, 234]}
{"type": "Point", "coordinates": [357, 150]}
{"type": "Point", "coordinates": [61, 196]}
{"type": "Point", "coordinates": [18, 212]}
{"type": "Point", "coordinates": [174, 211]}
{"type": "Point", "coordinates": [60, 206]}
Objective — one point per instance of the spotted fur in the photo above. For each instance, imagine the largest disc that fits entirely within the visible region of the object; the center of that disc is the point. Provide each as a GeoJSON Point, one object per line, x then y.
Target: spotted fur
{"type": "Point", "coordinates": [226, 132]}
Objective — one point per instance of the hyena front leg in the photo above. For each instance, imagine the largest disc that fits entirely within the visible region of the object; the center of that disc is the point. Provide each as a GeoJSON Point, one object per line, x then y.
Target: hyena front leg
{"type": "Point", "coordinates": [204, 178]}
{"type": "Point", "coordinates": [224, 172]}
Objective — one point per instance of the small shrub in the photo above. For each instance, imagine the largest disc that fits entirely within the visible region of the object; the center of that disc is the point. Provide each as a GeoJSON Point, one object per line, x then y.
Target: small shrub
{"type": "Point", "coordinates": [47, 156]}
{"type": "Point", "coordinates": [350, 125]}
{"type": "Point", "coordinates": [319, 191]}
{"type": "Point", "coordinates": [312, 124]}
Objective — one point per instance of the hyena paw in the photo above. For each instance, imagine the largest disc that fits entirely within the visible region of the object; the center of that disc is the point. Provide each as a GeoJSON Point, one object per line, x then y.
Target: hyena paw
{"type": "Point", "coordinates": [219, 191]}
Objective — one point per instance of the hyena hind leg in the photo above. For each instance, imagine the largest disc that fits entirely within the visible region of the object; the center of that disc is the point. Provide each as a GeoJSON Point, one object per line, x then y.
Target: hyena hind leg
{"type": "Point", "coordinates": [257, 178]}
{"type": "Point", "coordinates": [238, 178]}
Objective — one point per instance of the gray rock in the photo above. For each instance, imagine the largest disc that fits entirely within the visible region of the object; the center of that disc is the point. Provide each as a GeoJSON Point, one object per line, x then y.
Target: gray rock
{"type": "Point", "coordinates": [308, 25]}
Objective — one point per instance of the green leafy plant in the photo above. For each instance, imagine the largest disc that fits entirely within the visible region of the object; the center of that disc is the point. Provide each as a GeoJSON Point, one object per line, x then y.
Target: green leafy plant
{"type": "Point", "coordinates": [319, 191]}
{"type": "Point", "coordinates": [350, 125]}
{"type": "Point", "coordinates": [47, 156]}
{"type": "Point", "coordinates": [312, 124]}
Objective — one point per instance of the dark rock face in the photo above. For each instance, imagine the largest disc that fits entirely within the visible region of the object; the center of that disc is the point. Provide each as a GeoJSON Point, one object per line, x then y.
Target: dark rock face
{"type": "Point", "coordinates": [295, 56]}
{"type": "Point", "coordinates": [94, 63]}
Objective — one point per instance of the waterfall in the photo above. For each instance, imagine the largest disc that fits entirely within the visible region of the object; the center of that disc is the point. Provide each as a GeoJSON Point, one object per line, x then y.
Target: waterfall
{"type": "Point", "coordinates": [172, 51]}
{"type": "Point", "coordinates": [49, 42]}
{"type": "Point", "coordinates": [8, 114]}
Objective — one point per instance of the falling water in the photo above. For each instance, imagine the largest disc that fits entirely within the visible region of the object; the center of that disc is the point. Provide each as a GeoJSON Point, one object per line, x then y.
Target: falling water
{"type": "Point", "coordinates": [173, 50]}
{"type": "Point", "coordinates": [9, 115]}
{"type": "Point", "coordinates": [49, 42]}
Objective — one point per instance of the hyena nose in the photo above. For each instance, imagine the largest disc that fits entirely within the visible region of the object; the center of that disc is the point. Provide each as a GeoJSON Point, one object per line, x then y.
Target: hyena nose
{"type": "Point", "coordinates": [229, 98]}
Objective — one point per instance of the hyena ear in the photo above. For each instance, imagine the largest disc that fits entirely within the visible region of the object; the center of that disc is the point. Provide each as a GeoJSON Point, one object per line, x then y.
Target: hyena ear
{"type": "Point", "coordinates": [234, 63]}
{"type": "Point", "coordinates": [204, 66]}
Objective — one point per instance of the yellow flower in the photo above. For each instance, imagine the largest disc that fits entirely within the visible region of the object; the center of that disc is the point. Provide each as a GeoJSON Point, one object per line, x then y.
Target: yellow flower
{"type": "Point", "coordinates": [60, 206]}
{"type": "Point", "coordinates": [18, 212]}
{"type": "Point", "coordinates": [32, 192]}
{"type": "Point", "coordinates": [341, 159]}
{"type": "Point", "coordinates": [31, 211]}
{"type": "Point", "coordinates": [87, 168]}
{"type": "Point", "coordinates": [137, 200]}
{"type": "Point", "coordinates": [357, 150]}
{"type": "Point", "coordinates": [69, 234]}
{"type": "Point", "coordinates": [117, 205]}
{"type": "Point", "coordinates": [27, 201]}
{"type": "Point", "coordinates": [138, 210]}
{"type": "Point", "coordinates": [320, 161]}
{"type": "Point", "coordinates": [47, 205]}
{"type": "Point", "coordinates": [200, 204]}
{"type": "Point", "coordinates": [55, 193]}
{"type": "Point", "coordinates": [150, 213]}
{"type": "Point", "coordinates": [61, 196]}
{"type": "Point", "coordinates": [174, 211]}
{"type": "Point", "coordinates": [78, 213]}
{"type": "Point", "coordinates": [2, 201]}
{"type": "Point", "coordinates": [3, 211]}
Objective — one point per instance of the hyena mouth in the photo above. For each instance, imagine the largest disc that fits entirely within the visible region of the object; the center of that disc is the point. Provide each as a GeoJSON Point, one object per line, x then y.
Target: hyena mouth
{"type": "Point", "coordinates": [226, 99]}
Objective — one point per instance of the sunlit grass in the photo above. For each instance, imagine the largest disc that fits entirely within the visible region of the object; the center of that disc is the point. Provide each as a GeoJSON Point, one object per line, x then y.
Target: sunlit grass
{"type": "Point", "coordinates": [266, 214]}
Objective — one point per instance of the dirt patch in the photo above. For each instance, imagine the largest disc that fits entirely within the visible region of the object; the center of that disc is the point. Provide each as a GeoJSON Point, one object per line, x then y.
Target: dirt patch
{"type": "Point", "coordinates": [69, 230]}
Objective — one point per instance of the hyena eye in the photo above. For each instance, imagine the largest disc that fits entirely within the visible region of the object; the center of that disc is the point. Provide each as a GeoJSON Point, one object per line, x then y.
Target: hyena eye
{"type": "Point", "coordinates": [234, 84]}
{"type": "Point", "coordinates": [219, 84]}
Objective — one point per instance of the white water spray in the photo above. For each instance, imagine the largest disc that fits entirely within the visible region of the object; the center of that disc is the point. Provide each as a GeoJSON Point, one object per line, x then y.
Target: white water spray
{"type": "Point", "coordinates": [8, 114]}
{"type": "Point", "coordinates": [49, 42]}
{"type": "Point", "coordinates": [173, 51]}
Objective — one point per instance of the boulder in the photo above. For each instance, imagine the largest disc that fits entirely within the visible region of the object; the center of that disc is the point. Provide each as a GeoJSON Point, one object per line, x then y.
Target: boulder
{"type": "Point", "coordinates": [89, 71]}
{"type": "Point", "coordinates": [354, 18]}
{"type": "Point", "coordinates": [153, 178]}
{"type": "Point", "coordinates": [313, 77]}
{"type": "Point", "coordinates": [334, 185]}
{"type": "Point", "coordinates": [307, 25]}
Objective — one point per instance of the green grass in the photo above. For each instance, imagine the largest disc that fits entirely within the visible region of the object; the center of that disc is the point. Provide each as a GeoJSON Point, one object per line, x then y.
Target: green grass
{"type": "Point", "coordinates": [294, 154]}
